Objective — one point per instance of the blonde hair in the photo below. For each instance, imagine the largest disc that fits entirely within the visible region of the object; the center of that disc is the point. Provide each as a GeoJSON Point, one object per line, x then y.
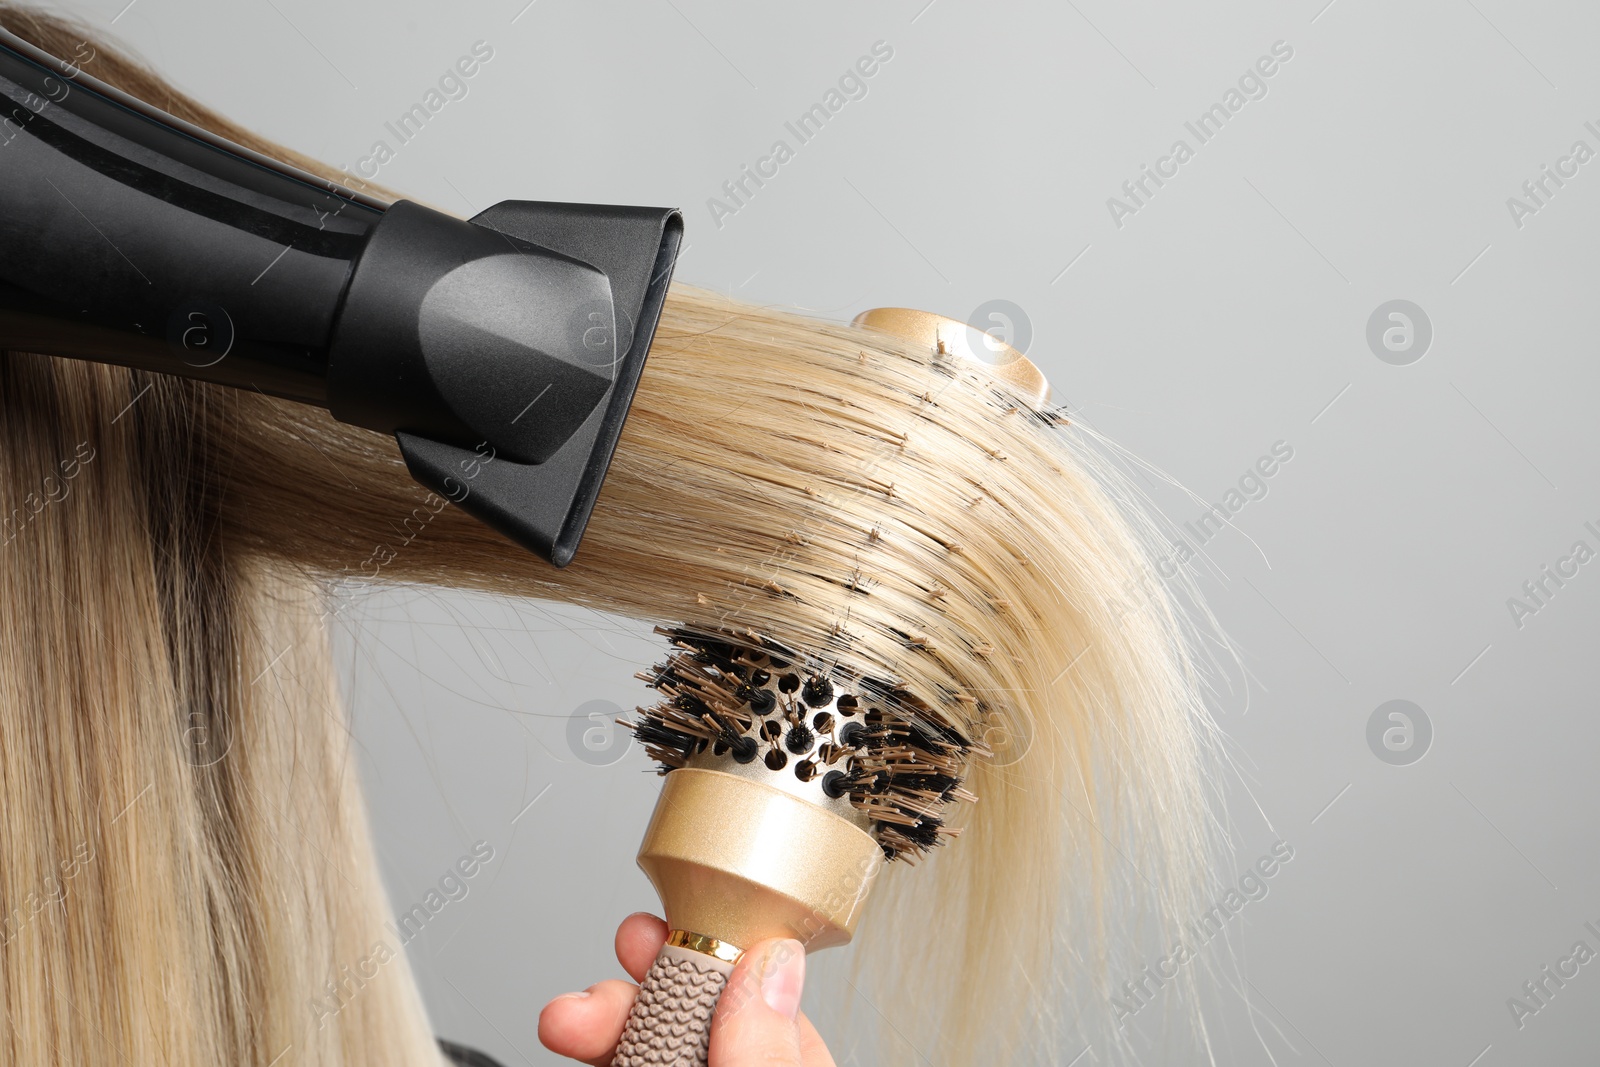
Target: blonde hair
{"type": "Point", "coordinates": [849, 494]}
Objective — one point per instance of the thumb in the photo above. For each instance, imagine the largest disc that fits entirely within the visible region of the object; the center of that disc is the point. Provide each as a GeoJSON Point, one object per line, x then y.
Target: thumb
{"type": "Point", "coordinates": [754, 1025]}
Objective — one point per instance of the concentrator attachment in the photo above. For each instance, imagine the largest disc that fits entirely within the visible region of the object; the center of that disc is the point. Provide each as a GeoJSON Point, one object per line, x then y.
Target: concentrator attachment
{"type": "Point", "coordinates": [502, 352]}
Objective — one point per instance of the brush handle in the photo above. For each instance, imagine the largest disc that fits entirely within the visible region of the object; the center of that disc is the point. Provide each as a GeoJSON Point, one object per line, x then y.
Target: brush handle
{"type": "Point", "coordinates": [670, 1025]}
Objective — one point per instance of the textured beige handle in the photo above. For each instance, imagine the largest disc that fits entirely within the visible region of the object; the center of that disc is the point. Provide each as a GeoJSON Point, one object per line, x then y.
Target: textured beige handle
{"type": "Point", "coordinates": [670, 1025]}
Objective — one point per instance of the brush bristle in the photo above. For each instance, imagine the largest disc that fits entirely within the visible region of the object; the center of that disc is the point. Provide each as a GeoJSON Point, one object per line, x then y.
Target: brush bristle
{"type": "Point", "coordinates": [743, 696]}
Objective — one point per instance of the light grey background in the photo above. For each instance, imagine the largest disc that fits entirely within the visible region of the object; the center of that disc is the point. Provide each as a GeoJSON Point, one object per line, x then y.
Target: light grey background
{"type": "Point", "coordinates": [1228, 314]}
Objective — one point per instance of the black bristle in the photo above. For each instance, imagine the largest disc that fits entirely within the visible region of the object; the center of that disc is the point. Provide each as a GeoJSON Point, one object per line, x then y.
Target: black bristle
{"type": "Point", "coordinates": [857, 781]}
{"type": "Point", "coordinates": [651, 732]}
{"type": "Point", "coordinates": [713, 650]}
{"type": "Point", "coordinates": [933, 783]}
{"type": "Point", "coordinates": [745, 749]}
{"type": "Point", "coordinates": [693, 705]}
{"type": "Point", "coordinates": [800, 740]}
{"type": "Point", "coordinates": [817, 692]}
{"type": "Point", "coordinates": [763, 702]}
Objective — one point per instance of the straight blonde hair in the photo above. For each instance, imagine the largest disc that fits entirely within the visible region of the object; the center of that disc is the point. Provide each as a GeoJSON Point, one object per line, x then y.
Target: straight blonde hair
{"type": "Point", "coordinates": [175, 772]}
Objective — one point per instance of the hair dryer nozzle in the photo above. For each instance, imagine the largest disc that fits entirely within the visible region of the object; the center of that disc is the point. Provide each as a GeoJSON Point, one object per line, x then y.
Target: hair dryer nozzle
{"type": "Point", "coordinates": [504, 352]}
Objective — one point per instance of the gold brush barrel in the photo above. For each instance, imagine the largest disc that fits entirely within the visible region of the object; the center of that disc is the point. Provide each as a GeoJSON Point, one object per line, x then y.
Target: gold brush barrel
{"type": "Point", "coordinates": [740, 861]}
{"type": "Point", "coordinates": [735, 861]}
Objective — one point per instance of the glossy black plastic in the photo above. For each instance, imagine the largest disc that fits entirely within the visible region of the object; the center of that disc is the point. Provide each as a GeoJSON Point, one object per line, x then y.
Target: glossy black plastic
{"type": "Point", "coordinates": [128, 239]}
{"type": "Point", "coordinates": [127, 236]}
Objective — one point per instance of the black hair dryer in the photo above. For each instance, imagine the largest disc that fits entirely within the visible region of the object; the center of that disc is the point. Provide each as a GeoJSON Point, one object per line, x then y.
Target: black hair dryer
{"type": "Point", "coordinates": [128, 236]}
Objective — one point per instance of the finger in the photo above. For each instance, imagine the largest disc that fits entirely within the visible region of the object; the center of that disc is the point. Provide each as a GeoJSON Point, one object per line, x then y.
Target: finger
{"type": "Point", "coordinates": [755, 1023]}
{"type": "Point", "coordinates": [813, 1053]}
{"type": "Point", "coordinates": [639, 939]}
{"type": "Point", "coordinates": [587, 1026]}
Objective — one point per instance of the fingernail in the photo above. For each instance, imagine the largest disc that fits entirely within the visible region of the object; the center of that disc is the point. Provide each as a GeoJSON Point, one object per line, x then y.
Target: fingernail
{"type": "Point", "coordinates": [576, 996]}
{"type": "Point", "coordinates": [783, 975]}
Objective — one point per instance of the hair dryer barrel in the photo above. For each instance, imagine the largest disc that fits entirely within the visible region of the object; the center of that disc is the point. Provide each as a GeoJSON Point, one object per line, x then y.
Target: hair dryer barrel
{"type": "Point", "coordinates": [128, 239]}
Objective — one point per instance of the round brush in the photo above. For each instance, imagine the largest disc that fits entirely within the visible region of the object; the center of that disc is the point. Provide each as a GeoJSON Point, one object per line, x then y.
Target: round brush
{"type": "Point", "coordinates": [788, 783]}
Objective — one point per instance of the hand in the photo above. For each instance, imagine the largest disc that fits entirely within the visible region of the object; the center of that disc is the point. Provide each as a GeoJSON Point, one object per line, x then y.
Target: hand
{"type": "Point", "coordinates": [747, 1031]}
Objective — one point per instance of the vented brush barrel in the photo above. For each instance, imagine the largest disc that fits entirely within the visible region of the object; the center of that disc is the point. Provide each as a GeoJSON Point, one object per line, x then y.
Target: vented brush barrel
{"type": "Point", "coordinates": [788, 785]}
